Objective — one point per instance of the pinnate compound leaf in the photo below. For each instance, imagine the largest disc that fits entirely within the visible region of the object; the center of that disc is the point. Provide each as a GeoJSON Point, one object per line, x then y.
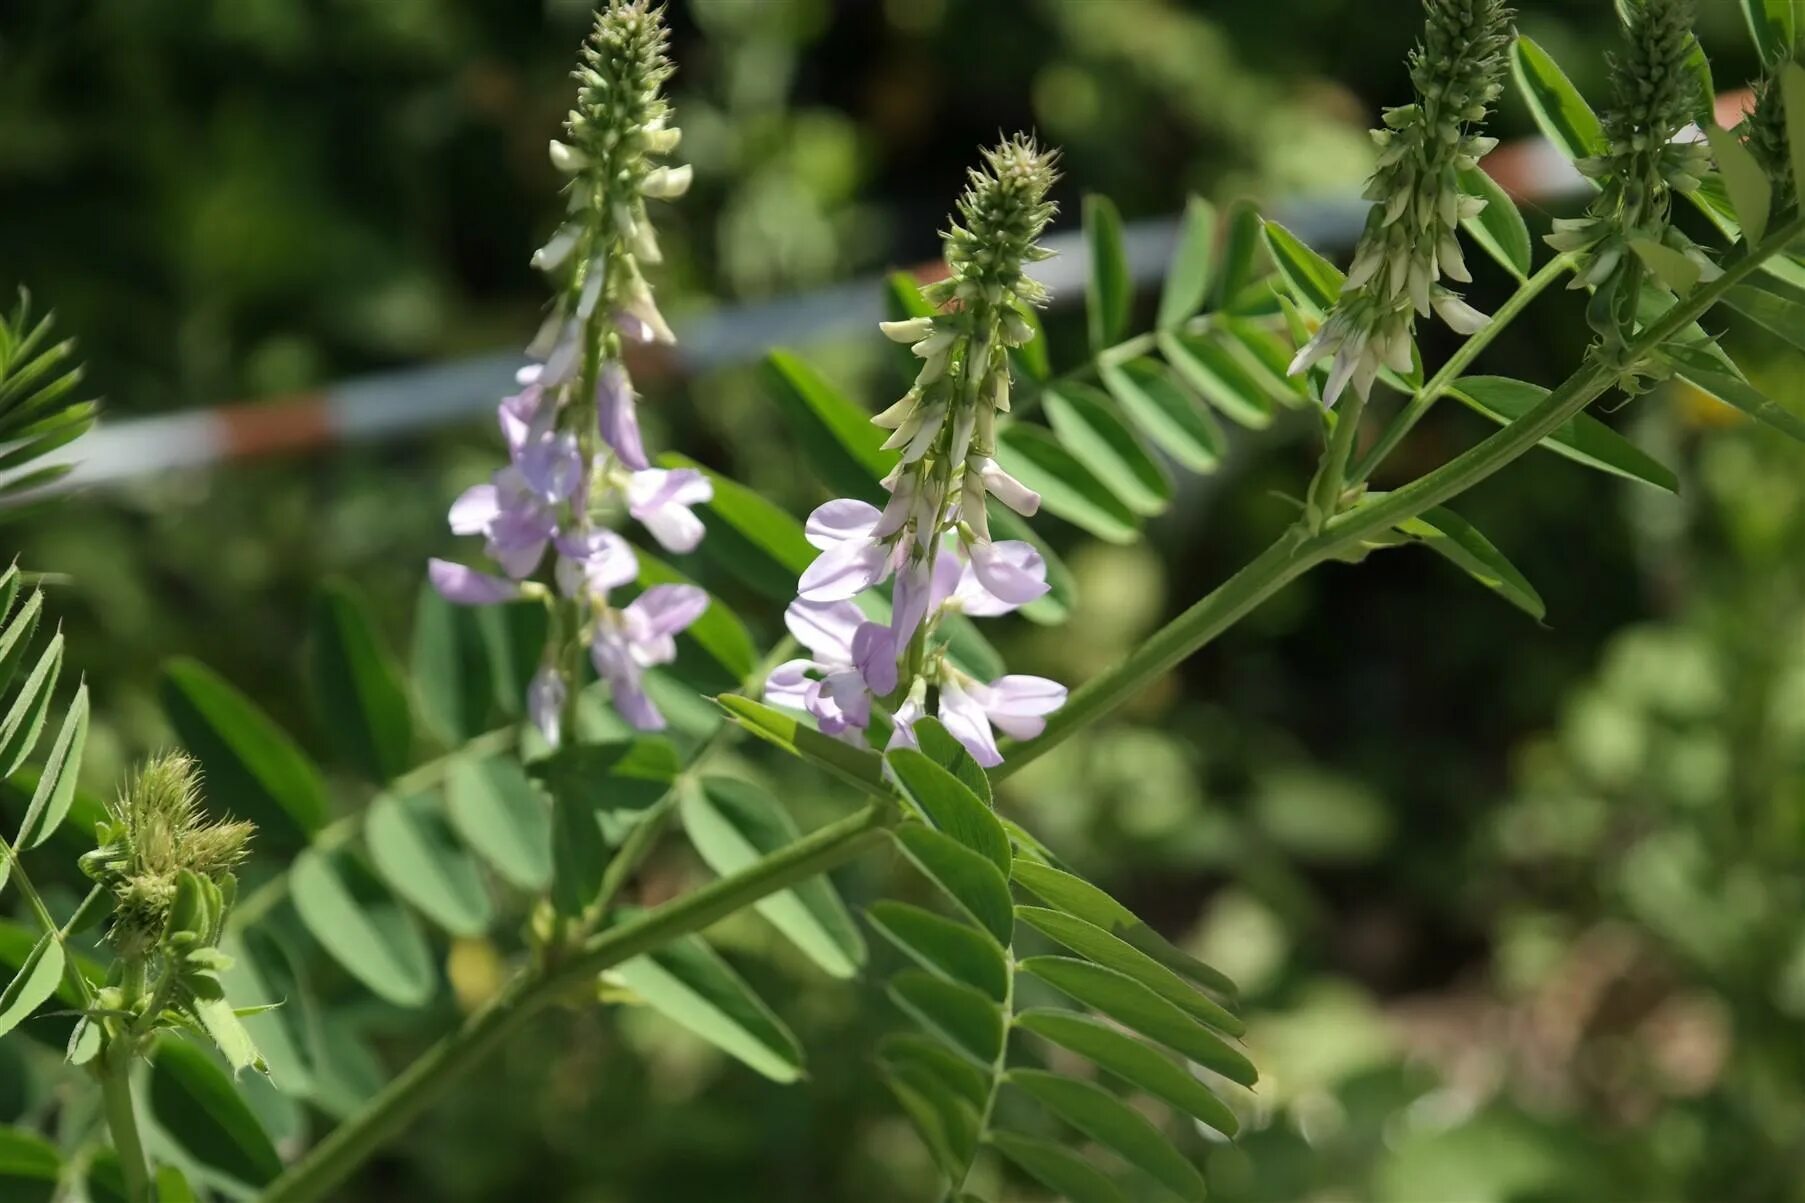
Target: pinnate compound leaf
{"type": "Point", "coordinates": [1210, 367]}
{"type": "Point", "coordinates": [1075, 896]}
{"type": "Point", "coordinates": [357, 691]}
{"type": "Point", "coordinates": [1132, 1061]}
{"type": "Point", "coordinates": [735, 823]}
{"type": "Point", "coordinates": [1110, 1122]}
{"type": "Point", "coordinates": [415, 850]}
{"type": "Point", "coordinates": [24, 720]}
{"type": "Point", "coordinates": [348, 910]}
{"type": "Point", "coordinates": [197, 1104]}
{"type": "Point", "coordinates": [691, 985]}
{"type": "Point", "coordinates": [1135, 1006]}
{"type": "Point", "coordinates": [1107, 292]}
{"type": "Point", "coordinates": [500, 813]}
{"type": "Point", "coordinates": [1582, 439]}
{"type": "Point", "coordinates": [1058, 1168]}
{"type": "Point", "coordinates": [953, 950]}
{"type": "Point", "coordinates": [1193, 265]}
{"type": "Point", "coordinates": [246, 757]}
{"type": "Point", "coordinates": [1099, 947]}
{"type": "Point", "coordinates": [963, 1017]}
{"type": "Point", "coordinates": [969, 879]}
{"type": "Point", "coordinates": [949, 805]}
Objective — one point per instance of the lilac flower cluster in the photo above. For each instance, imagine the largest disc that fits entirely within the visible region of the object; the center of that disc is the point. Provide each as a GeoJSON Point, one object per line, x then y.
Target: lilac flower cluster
{"type": "Point", "coordinates": [575, 453]}
{"type": "Point", "coordinates": [932, 537]}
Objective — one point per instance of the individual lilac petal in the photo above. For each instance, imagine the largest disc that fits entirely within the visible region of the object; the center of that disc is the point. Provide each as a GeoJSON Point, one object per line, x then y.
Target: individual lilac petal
{"type": "Point", "coordinates": [466, 586]}
{"type": "Point", "coordinates": [966, 721]}
{"type": "Point", "coordinates": [788, 684]}
{"type": "Point", "coordinates": [1021, 559]}
{"type": "Point", "coordinates": [545, 696]}
{"type": "Point", "coordinates": [1007, 576]}
{"type": "Point", "coordinates": [520, 416]}
{"type": "Point", "coordinates": [902, 723]}
{"type": "Point", "coordinates": [1018, 704]}
{"type": "Point", "coordinates": [561, 362]}
{"type": "Point", "coordinates": [838, 522]}
{"type": "Point", "coordinates": [845, 692]}
{"type": "Point", "coordinates": [550, 467]}
{"type": "Point", "coordinates": [660, 499]}
{"type": "Point", "coordinates": [1008, 490]}
{"type": "Point", "coordinates": [950, 573]}
{"type": "Point", "coordinates": [634, 706]}
{"type": "Point", "coordinates": [668, 609]}
{"type": "Point", "coordinates": [636, 328]}
{"type": "Point", "coordinates": [910, 603]}
{"type": "Point", "coordinates": [843, 572]}
{"type": "Point", "coordinates": [601, 557]}
{"type": "Point", "coordinates": [824, 628]}
{"type": "Point", "coordinates": [874, 655]}
{"type": "Point", "coordinates": [897, 510]}
{"type": "Point", "coordinates": [475, 508]}
{"type": "Point", "coordinates": [618, 414]}
{"type": "Point", "coordinates": [517, 540]}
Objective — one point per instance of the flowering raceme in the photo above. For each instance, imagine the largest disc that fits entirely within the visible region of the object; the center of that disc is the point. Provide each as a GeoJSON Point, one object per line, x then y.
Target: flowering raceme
{"type": "Point", "coordinates": [575, 452]}
{"type": "Point", "coordinates": [932, 537]}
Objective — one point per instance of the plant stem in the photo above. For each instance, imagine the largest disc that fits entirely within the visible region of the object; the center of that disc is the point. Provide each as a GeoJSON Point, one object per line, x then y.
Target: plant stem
{"type": "Point", "coordinates": [1297, 551]}
{"type": "Point", "coordinates": [1325, 496]}
{"type": "Point", "coordinates": [1457, 364]}
{"type": "Point", "coordinates": [71, 971]}
{"type": "Point", "coordinates": [115, 1073]}
{"type": "Point", "coordinates": [330, 1162]}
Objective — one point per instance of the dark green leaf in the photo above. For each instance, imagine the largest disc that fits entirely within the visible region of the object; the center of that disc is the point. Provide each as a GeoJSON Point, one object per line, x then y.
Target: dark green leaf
{"type": "Point", "coordinates": [1107, 291]}
{"type": "Point", "coordinates": [949, 805]}
{"type": "Point", "coordinates": [15, 639]}
{"type": "Point", "coordinates": [733, 824]}
{"type": "Point", "coordinates": [1459, 542]}
{"type": "Point", "coordinates": [1240, 265]}
{"type": "Point", "coordinates": [902, 301]}
{"type": "Point", "coordinates": [33, 984]}
{"type": "Point", "coordinates": [1131, 1061]}
{"type": "Point", "coordinates": [1558, 108]}
{"type": "Point", "coordinates": [968, 878]}
{"type": "Point", "coordinates": [859, 766]}
{"type": "Point", "coordinates": [835, 434]}
{"type": "Point", "coordinates": [414, 849]}
{"type": "Point", "coordinates": [1767, 21]}
{"type": "Point", "coordinates": [197, 1104]}
{"type": "Point", "coordinates": [953, 1073]}
{"type": "Point", "coordinates": [1778, 312]}
{"type": "Point", "coordinates": [1792, 99]}
{"type": "Point", "coordinates": [361, 925]}
{"type": "Point", "coordinates": [1748, 399]}
{"type": "Point", "coordinates": [1135, 1006]}
{"type": "Point", "coordinates": [1058, 1168]}
{"type": "Point", "coordinates": [969, 1022]}
{"type": "Point", "coordinates": [688, 983]}
{"type": "Point", "coordinates": [955, 951]}
{"type": "Point", "coordinates": [260, 973]}
{"type": "Point", "coordinates": [499, 813]}
{"type": "Point", "coordinates": [247, 758]}
{"type": "Point", "coordinates": [1067, 488]}
{"type": "Point", "coordinates": [1166, 412]}
{"type": "Point", "coordinates": [55, 792]}
{"type": "Point", "coordinates": [939, 746]}
{"type": "Point", "coordinates": [1100, 947]}
{"type": "Point", "coordinates": [1104, 1118]}
{"type": "Point", "coordinates": [946, 1123]}
{"type": "Point", "coordinates": [1193, 263]}
{"type": "Point", "coordinates": [1314, 282]}
{"type": "Point", "coordinates": [1499, 227]}
{"type": "Point", "coordinates": [29, 1166]}
{"type": "Point", "coordinates": [1209, 365]}
{"type": "Point", "coordinates": [1583, 439]}
{"type": "Point", "coordinates": [1086, 423]}
{"type": "Point", "coordinates": [749, 537]}
{"type": "Point", "coordinates": [357, 690]}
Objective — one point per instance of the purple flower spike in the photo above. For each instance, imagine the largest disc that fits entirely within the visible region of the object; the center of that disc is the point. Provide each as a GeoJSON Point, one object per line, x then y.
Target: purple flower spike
{"type": "Point", "coordinates": [855, 659]}
{"type": "Point", "coordinates": [641, 636]}
{"type": "Point", "coordinates": [594, 562]}
{"type": "Point", "coordinates": [661, 498]}
{"type": "Point", "coordinates": [466, 586]}
{"type": "Point", "coordinates": [618, 412]}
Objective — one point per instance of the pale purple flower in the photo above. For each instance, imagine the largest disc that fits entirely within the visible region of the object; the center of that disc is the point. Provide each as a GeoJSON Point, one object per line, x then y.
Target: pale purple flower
{"type": "Point", "coordinates": [1016, 705]}
{"type": "Point", "coordinates": [854, 554]}
{"type": "Point", "coordinates": [1012, 573]}
{"type": "Point", "coordinates": [515, 523]}
{"type": "Point", "coordinates": [855, 661]}
{"type": "Point", "coordinates": [639, 636]}
{"type": "Point", "coordinates": [545, 697]}
{"type": "Point", "coordinates": [592, 562]}
{"type": "Point", "coordinates": [660, 498]}
{"type": "Point", "coordinates": [618, 412]}
{"type": "Point", "coordinates": [467, 587]}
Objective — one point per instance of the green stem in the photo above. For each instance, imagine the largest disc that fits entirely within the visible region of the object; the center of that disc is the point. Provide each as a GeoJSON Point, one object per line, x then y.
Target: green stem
{"type": "Point", "coordinates": [1457, 364]}
{"type": "Point", "coordinates": [71, 971]}
{"type": "Point", "coordinates": [1298, 551]}
{"type": "Point", "coordinates": [115, 1072]}
{"type": "Point", "coordinates": [996, 1074]}
{"type": "Point", "coordinates": [334, 1159]}
{"type": "Point", "coordinates": [1325, 496]}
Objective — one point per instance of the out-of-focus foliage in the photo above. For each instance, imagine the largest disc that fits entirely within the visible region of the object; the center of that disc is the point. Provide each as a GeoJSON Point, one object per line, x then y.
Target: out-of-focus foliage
{"type": "Point", "coordinates": [1515, 909]}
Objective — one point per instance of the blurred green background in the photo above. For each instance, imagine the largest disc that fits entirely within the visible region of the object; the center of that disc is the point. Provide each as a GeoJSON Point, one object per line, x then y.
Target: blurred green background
{"type": "Point", "coordinates": [1517, 910]}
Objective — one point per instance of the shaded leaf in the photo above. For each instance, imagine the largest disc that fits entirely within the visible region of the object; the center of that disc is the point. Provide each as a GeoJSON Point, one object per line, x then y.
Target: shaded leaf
{"type": "Point", "coordinates": [749, 537]}
{"type": "Point", "coordinates": [1133, 1062]}
{"type": "Point", "coordinates": [55, 791]}
{"type": "Point", "coordinates": [1058, 1168]}
{"type": "Point", "coordinates": [416, 852]}
{"type": "Point", "coordinates": [361, 925]}
{"type": "Point", "coordinates": [357, 690]}
{"type": "Point", "coordinates": [1670, 267]}
{"type": "Point", "coordinates": [1107, 292]}
{"type": "Point", "coordinates": [1313, 281]}
{"type": "Point", "coordinates": [1748, 399]}
{"type": "Point", "coordinates": [29, 1166]}
{"type": "Point", "coordinates": [935, 1088]}
{"type": "Point", "coordinates": [1193, 264]}
{"type": "Point", "coordinates": [33, 984]}
{"type": "Point", "coordinates": [1792, 99]}
{"type": "Point", "coordinates": [836, 435]}
{"type": "Point", "coordinates": [1210, 367]}
{"type": "Point", "coordinates": [198, 1105]}
{"type": "Point", "coordinates": [688, 983]}
{"type": "Point", "coordinates": [859, 766]}
{"type": "Point", "coordinates": [1558, 108]}
{"type": "Point", "coordinates": [450, 669]}
{"type": "Point", "coordinates": [938, 745]}
{"type": "Point", "coordinates": [953, 950]}
{"type": "Point", "coordinates": [956, 1013]}
{"type": "Point", "coordinates": [1111, 1123]}
{"type": "Point", "coordinates": [1751, 195]}
{"type": "Point", "coordinates": [24, 720]}
{"type": "Point", "coordinates": [1099, 947]}
{"type": "Point", "coordinates": [500, 814]}
{"type": "Point", "coordinates": [968, 878]}
{"type": "Point", "coordinates": [15, 639]}
{"type": "Point", "coordinates": [718, 633]}
{"type": "Point", "coordinates": [1459, 542]}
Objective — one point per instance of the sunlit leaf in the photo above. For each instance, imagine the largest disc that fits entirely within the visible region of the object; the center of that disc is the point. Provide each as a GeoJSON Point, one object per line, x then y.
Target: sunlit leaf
{"type": "Point", "coordinates": [1166, 412]}
{"type": "Point", "coordinates": [939, 746]}
{"type": "Point", "coordinates": [1209, 365]}
{"type": "Point", "coordinates": [1313, 281]}
{"type": "Point", "coordinates": [1107, 289]}
{"type": "Point", "coordinates": [860, 766]}
{"type": "Point", "coordinates": [688, 983]}
{"type": "Point", "coordinates": [834, 433]}
{"type": "Point", "coordinates": [1670, 267]}
{"type": "Point", "coordinates": [24, 720]}
{"type": "Point", "coordinates": [1193, 264]}
{"type": "Point", "coordinates": [949, 805]}
{"type": "Point", "coordinates": [1750, 192]}
{"type": "Point", "coordinates": [1086, 424]}
{"type": "Point", "coordinates": [1100, 947]}
{"type": "Point", "coordinates": [1792, 99]}
{"type": "Point", "coordinates": [352, 915]}
{"type": "Point", "coordinates": [1067, 488]}
{"type": "Point", "coordinates": [1747, 398]}
{"type": "Point", "coordinates": [55, 791]}
{"type": "Point", "coordinates": [1104, 1118]}
{"type": "Point", "coordinates": [450, 669]}
{"type": "Point", "coordinates": [1561, 112]}
{"type": "Point", "coordinates": [1459, 542]}
{"type": "Point", "coordinates": [33, 984]}
{"type": "Point", "coordinates": [1239, 265]}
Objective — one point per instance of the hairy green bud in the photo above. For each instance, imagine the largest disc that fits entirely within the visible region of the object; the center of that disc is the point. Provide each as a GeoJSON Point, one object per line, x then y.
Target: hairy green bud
{"type": "Point", "coordinates": [997, 225]}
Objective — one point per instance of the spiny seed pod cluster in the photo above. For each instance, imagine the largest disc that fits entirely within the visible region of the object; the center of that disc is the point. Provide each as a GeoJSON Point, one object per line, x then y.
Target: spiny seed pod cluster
{"type": "Point", "coordinates": [1764, 131]}
{"type": "Point", "coordinates": [1411, 241]}
{"type": "Point", "coordinates": [1655, 96]}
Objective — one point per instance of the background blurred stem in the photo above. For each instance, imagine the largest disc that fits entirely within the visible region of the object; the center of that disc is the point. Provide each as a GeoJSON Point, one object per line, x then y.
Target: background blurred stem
{"type": "Point", "coordinates": [114, 1070]}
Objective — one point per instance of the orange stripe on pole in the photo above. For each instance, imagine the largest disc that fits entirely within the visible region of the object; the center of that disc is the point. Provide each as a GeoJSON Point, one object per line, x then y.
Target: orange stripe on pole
{"type": "Point", "coordinates": [291, 424]}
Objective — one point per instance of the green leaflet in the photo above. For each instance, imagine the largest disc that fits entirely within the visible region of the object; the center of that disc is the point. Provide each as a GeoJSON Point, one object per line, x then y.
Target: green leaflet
{"type": "Point", "coordinates": [939, 746]}
{"type": "Point", "coordinates": [1209, 365]}
{"type": "Point", "coordinates": [1166, 412]}
{"type": "Point", "coordinates": [1099, 947]}
{"type": "Point", "coordinates": [499, 812]}
{"type": "Point", "coordinates": [1751, 195]}
{"type": "Point", "coordinates": [24, 720]}
{"type": "Point", "coordinates": [1499, 227]}
{"type": "Point", "coordinates": [357, 692]}
{"type": "Point", "coordinates": [1558, 108]}
{"type": "Point", "coordinates": [29, 1167]}
{"type": "Point", "coordinates": [1104, 1118]}
{"type": "Point", "coordinates": [956, 1013]}
{"type": "Point", "coordinates": [416, 852]}
{"type": "Point", "coordinates": [1771, 26]}
{"type": "Point", "coordinates": [1313, 281]}
{"type": "Point", "coordinates": [1067, 488]}
{"type": "Point", "coordinates": [1058, 1168]}
{"type": "Point", "coordinates": [940, 1092]}
{"type": "Point", "coordinates": [968, 878]}
{"type": "Point", "coordinates": [1193, 265]}
{"type": "Point", "coordinates": [1455, 539]}
{"type": "Point", "coordinates": [1792, 98]}
{"type": "Point", "coordinates": [449, 668]}
{"type": "Point", "coordinates": [1135, 1006]}
{"type": "Point", "coordinates": [733, 824]}
{"type": "Point", "coordinates": [859, 766]}
{"type": "Point", "coordinates": [1131, 1061]}
{"type": "Point", "coordinates": [688, 983]}
{"type": "Point", "coordinates": [1747, 398]}
{"type": "Point", "coordinates": [198, 1105]}
{"type": "Point", "coordinates": [246, 757]}
{"type": "Point", "coordinates": [949, 805]}
{"type": "Point", "coordinates": [1239, 263]}
{"type": "Point", "coordinates": [586, 783]}
{"type": "Point", "coordinates": [34, 983]}
{"type": "Point", "coordinates": [835, 434]}
{"type": "Point", "coordinates": [55, 791]}
{"type": "Point", "coordinates": [1583, 439]}
{"type": "Point", "coordinates": [352, 915]}
{"type": "Point", "coordinates": [1106, 295]}
{"type": "Point", "coordinates": [944, 946]}
{"type": "Point", "coordinates": [1086, 424]}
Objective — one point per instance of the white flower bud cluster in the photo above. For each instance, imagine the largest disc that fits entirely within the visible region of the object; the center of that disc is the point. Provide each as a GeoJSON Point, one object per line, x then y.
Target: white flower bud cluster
{"type": "Point", "coordinates": [1411, 241]}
